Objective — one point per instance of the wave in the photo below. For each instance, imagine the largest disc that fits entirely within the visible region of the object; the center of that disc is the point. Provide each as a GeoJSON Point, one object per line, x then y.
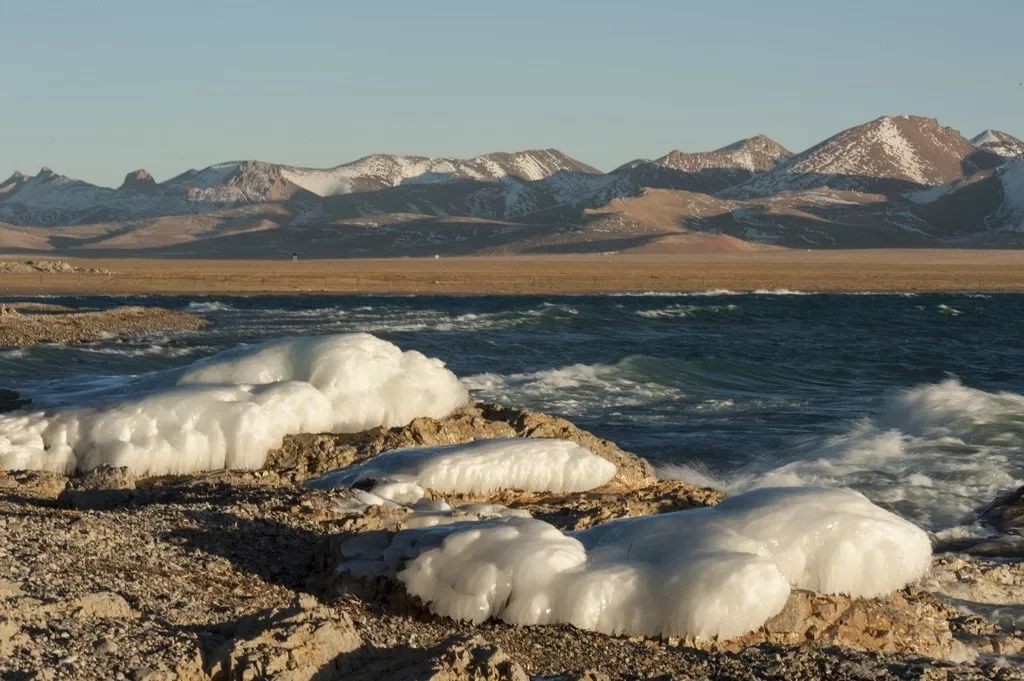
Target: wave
{"type": "Point", "coordinates": [935, 453]}
{"type": "Point", "coordinates": [578, 388]}
{"type": "Point", "coordinates": [685, 311]}
{"type": "Point", "coordinates": [208, 306]}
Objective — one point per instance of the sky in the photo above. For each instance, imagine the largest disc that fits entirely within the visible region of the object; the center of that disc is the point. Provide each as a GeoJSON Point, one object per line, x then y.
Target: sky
{"type": "Point", "coordinates": [96, 89]}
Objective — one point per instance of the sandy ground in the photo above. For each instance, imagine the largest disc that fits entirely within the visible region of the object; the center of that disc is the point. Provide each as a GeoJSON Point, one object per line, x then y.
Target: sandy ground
{"type": "Point", "coordinates": [854, 270]}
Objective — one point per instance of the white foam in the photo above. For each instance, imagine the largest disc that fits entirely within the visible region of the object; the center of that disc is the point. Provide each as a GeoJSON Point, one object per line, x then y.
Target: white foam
{"type": "Point", "coordinates": [528, 464]}
{"type": "Point", "coordinates": [208, 306]}
{"type": "Point", "coordinates": [227, 411]}
{"type": "Point", "coordinates": [935, 452]}
{"type": "Point", "coordinates": [683, 311]}
{"type": "Point", "coordinates": [574, 388]}
{"type": "Point", "coordinates": [707, 573]}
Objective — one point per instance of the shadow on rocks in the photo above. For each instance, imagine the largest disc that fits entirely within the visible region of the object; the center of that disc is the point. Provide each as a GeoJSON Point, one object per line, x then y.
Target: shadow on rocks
{"type": "Point", "coordinates": [273, 551]}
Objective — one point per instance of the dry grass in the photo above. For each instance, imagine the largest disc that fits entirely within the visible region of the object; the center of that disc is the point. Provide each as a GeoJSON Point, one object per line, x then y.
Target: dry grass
{"type": "Point", "coordinates": [854, 270]}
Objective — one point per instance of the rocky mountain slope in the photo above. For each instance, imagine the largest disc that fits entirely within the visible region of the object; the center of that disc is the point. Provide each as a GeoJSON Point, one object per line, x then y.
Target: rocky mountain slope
{"type": "Point", "coordinates": [889, 155]}
{"type": "Point", "coordinates": [999, 143]}
{"type": "Point", "coordinates": [51, 199]}
{"type": "Point", "coordinates": [709, 171]}
{"type": "Point", "coordinates": [893, 181]}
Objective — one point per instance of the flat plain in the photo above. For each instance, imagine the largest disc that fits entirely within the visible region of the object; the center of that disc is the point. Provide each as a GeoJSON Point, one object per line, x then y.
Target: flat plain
{"type": "Point", "coordinates": [881, 270]}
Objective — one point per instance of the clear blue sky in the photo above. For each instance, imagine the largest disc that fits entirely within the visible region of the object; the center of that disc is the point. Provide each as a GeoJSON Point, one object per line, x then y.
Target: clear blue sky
{"type": "Point", "coordinates": [94, 89]}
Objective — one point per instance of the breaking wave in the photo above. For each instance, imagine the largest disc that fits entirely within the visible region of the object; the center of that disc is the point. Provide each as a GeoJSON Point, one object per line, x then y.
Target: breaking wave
{"type": "Point", "coordinates": [935, 453]}
{"type": "Point", "coordinates": [573, 389]}
{"type": "Point", "coordinates": [685, 311]}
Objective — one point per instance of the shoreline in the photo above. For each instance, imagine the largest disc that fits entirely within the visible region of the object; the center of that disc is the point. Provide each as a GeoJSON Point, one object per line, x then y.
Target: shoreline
{"type": "Point", "coordinates": [861, 271]}
{"type": "Point", "coordinates": [243, 570]}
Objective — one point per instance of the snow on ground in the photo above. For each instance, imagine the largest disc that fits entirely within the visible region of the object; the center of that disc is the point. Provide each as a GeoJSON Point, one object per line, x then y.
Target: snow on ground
{"type": "Point", "coordinates": [716, 572]}
{"type": "Point", "coordinates": [228, 410]}
{"type": "Point", "coordinates": [528, 464]}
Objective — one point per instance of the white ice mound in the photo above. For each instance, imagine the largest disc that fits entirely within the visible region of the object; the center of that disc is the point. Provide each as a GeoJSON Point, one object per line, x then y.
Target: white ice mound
{"type": "Point", "coordinates": [528, 464]}
{"type": "Point", "coordinates": [707, 573]}
{"type": "Point", "coordinates": [228, 410]}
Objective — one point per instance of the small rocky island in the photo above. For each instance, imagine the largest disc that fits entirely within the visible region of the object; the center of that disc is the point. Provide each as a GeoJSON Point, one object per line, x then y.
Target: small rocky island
{"type": "Point", "coordinates": [254, 575]}
{"type": "Point", "coordinates": [32, 323]}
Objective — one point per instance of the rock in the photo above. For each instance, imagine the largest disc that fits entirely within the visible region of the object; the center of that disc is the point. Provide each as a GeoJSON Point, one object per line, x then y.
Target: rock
{"type": "Point", "coordinates": [139, 181]}
{"type": "Point", "coordinates": [290, 644]}
{"type": "Point", "coordinates": [474, 659]}
{"type": "Point", "coordinates": [309, 455]}
{"type": "Point", "coordinates": [977, 581]}
{"type": "Point", "coordinates": [1006, 512]}
{"type": "Point", "coordinates": [41, 484]}
{"type": "Point", "coordinates": [102, 605]}
{"type": "Point", "coordinates": [10, 400]}
{"type": "Point", "coordinates": [592, 675]}
{"type": "Point", "coordinates": [909, 621]}
{"type": "Point", "coordinates": [457, 658]}
{"type": "Point", "coordinates": [102, 488]}
{"type": "Point", "coordinates": [9, 589]}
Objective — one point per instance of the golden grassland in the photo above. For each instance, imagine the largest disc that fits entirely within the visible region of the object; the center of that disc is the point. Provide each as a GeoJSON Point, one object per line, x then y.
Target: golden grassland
{"type": "Point", "coordinates": [909, 270]}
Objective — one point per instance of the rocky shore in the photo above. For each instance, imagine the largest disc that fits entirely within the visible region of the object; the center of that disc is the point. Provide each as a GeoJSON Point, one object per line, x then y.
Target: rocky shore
{"type": "Point", "coordinates": [241, 575]}
{"type": "Point", "coordinates": [47, 266]}
{"type": "Point", "coordinates": [32, 323]}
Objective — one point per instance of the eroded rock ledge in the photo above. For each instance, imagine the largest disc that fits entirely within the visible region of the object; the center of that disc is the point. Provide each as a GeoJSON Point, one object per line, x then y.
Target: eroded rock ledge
{"type": "Point", "coordinates": [233, 575]}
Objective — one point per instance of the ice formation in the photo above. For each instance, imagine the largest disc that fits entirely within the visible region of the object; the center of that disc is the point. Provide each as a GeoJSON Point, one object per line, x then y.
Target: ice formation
{"type": "Point", "coordinates": [528, 464]}
{"type": "Point", "coordinates": [707, 573]}
{"type": "Point", "coordinates": [228, 410]}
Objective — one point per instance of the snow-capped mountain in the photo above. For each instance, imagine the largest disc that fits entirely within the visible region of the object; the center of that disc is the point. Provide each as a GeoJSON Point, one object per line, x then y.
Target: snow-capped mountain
{"type": "Point", "coordinates": [753, 155]}
{"type": "Point", "coordinates": [709, 171]}
{"type": "Point", "coordinates": [889, 155]}
{"type": "Point", "coordinates": [380, 171]}
{"type": "Point", "coordinates": [51, 199]}
{"type": "Point", "coordinates": [1000, 143]}
{"type": "Point", "coordinates": [234, 182]}
{"type": "Point", "coordinates": [894, 181]}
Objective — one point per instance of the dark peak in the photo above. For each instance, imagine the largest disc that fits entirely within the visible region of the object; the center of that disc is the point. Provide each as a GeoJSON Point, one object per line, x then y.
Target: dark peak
{"type": "Point", "coordinates": [138, 180]}
{"type": "Point", "coordinates": [45, 173]}
{"type": "Point", "coordinates": [17, 177]}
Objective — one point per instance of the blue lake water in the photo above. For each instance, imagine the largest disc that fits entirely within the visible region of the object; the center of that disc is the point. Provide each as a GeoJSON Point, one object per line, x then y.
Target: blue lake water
{"type": "Point", "coordinates": [914, 399]}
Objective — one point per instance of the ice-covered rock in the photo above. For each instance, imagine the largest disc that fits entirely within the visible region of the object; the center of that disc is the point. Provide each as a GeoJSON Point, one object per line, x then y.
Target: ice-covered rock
{"type": "Point", "coordinates": [707, 573]}
{"type": "Point", "coordinates": [227, 411]}
{"type": "Point", "coordinates": [530, 464]}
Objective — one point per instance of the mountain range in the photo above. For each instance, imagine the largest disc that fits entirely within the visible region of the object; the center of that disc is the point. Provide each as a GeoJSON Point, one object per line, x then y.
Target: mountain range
{"type": "Point", "coordinates": [893, 181]}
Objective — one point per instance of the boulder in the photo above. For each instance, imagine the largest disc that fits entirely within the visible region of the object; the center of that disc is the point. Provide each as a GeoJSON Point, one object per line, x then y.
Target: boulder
{"type": "Point", "coordinates": [102, 488]}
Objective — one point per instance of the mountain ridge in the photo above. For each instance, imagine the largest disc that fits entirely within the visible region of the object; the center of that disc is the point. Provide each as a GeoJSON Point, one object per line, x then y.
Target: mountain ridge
{"type": "Point", "coordinates": [894, 180]}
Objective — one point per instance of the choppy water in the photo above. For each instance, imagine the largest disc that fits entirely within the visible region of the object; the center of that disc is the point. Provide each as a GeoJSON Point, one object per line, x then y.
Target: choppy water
{"type": "Point", "coordinates": [915, 400]}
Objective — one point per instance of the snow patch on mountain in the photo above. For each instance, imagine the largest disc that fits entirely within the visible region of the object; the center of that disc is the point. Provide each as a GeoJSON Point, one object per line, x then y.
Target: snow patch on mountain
{"type": "Point", "coordinates": [381, 171]}
{"type": "Point", "coordinates": [1012, 177]}
{"type": "Point", "coordinates": [754, 155]}
{"type": "Point", "coordinates": [1000, 143]}
{"type": "Point", "coordinates": [891, 152]}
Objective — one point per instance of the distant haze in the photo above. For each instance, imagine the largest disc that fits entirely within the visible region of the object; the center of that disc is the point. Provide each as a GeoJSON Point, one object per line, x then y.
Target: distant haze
{"type": "Point", "coordinates": [95, 90]}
